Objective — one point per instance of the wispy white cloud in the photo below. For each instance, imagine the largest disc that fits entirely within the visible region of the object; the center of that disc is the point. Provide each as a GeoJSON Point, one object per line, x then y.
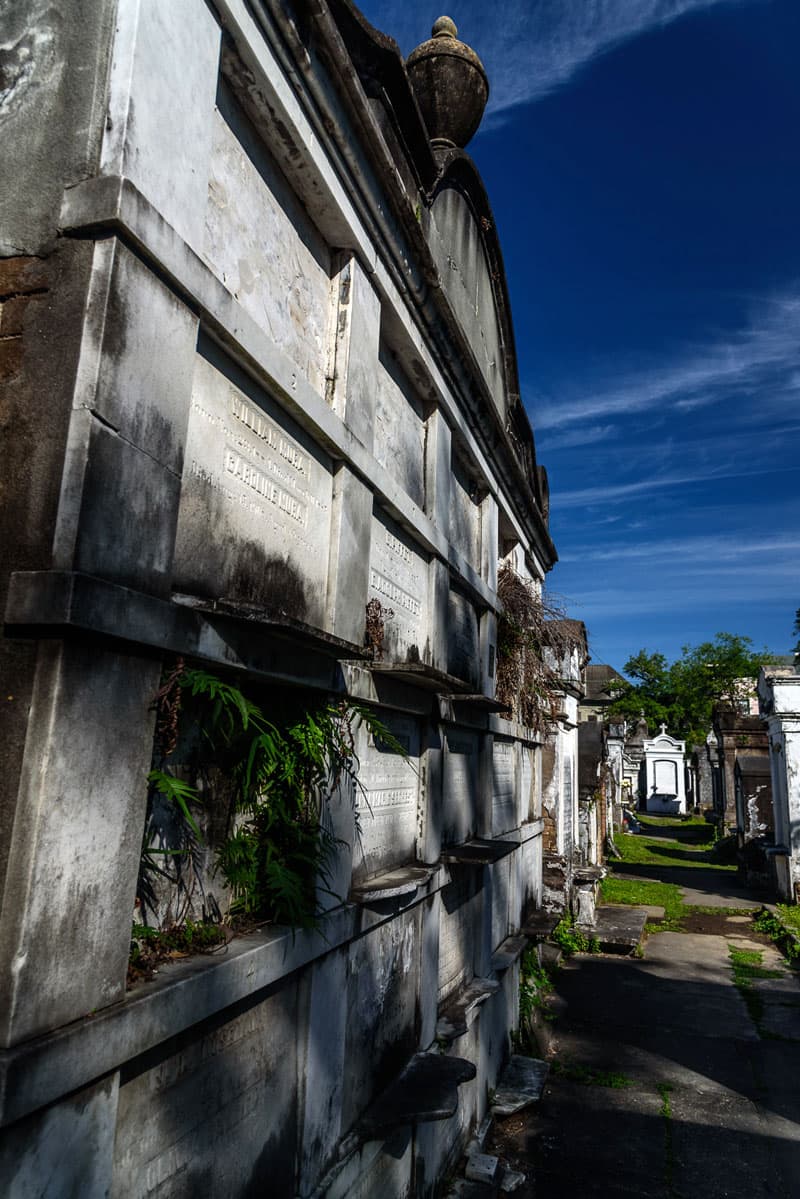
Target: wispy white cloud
{"type": "Point", "coordinates": [615, 492]}
{"type": "Point", "coordinates": [576, 437]}
{"type": "Point", "coordinates": [531, 48]}
{"type": "Point", "coordinates": [708, 550]}
{"type": "Point", "coordinates": [761, 360]}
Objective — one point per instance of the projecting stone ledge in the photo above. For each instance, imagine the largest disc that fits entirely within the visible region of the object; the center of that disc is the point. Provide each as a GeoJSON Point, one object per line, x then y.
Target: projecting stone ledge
{"type": "Point", "coordinates": [520, 1085]}
{"type": "Point", "coordinates": [458, 1013]}
{"type": "Point", "coordinates": [393, 884]}
{"type": "Point", "coordinates": [540, 925]}
{"type": "Point", "coordinates": [617, 927]}
{"type": "Point", "coordinates": [478, 852]}
{"type": "Point", "coordinates": [508, 951]}
{"type": "Point", "coordinates": [426, 1090]}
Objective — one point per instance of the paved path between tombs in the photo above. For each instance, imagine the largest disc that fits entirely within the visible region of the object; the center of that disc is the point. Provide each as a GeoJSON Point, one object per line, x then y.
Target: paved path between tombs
{"type": "Point", "coordinates": [713, 1105]}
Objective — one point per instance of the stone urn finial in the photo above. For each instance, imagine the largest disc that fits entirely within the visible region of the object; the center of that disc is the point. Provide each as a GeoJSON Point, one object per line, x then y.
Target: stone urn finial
{"type": "Point", "coordinates": [450, 85]}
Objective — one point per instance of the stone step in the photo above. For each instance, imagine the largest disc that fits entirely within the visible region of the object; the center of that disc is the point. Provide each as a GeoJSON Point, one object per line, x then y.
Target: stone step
{"type": "Point", "coordinates": [618, 927]}
{"type": "Point", "coordinates": [520, 1085]}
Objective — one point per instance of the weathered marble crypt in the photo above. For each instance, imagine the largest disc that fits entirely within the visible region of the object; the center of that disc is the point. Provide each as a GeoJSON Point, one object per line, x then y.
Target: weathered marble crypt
{"type": "Point", "coordinates": [265, 419]}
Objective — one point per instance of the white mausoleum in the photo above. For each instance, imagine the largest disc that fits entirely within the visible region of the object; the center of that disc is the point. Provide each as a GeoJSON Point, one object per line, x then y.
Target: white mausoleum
{"type": "Point", "coordinates": [662, 784]}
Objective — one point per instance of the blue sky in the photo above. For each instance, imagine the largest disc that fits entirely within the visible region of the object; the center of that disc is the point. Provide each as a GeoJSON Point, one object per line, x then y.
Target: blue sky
{"type": "Point", "coordinates": [643, 163]}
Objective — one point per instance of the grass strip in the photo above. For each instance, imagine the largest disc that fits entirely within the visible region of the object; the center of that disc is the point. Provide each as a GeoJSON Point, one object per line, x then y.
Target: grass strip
{"type": "Point", "coordinates": [638, 893]}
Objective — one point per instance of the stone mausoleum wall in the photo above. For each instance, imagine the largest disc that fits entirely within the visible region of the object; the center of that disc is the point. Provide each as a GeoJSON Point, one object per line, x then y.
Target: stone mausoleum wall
{"type": "Point", "coordinates": [259, 369]}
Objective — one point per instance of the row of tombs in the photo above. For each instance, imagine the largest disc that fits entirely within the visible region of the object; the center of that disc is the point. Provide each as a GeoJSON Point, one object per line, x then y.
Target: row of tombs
{"type": "Point", "coordinates": [267, 400]}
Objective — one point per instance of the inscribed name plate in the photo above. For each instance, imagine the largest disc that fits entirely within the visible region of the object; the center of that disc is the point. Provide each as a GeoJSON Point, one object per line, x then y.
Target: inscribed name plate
{"type": "Point", "coordinates": [460, 787]}
{"type": "Point", "coordinates": [254, 520]}
{"type": "Point", "coordinates": [398, 579]}
{"type": "Point", "coordinates": [387, 806]}
{"type": "Point", "coordinates": [504, 804]}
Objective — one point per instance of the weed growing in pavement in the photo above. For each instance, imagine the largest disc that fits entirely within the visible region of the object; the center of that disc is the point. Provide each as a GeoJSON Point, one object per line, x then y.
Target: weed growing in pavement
{"type": "Point", "coordinates": [747, 969]}
{"type": "Point", "coordinates": [790, 916]}
{"type": "Point", "coordinates": [574, 1072]}
{"type": "Point", "coordinates": [780, 930]}
{"type": "Point", "coordinates": [664, 1089]}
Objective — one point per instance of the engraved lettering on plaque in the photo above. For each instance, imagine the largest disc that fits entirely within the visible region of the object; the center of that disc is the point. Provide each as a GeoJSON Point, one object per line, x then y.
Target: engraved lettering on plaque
{"type": "Point", "coordinates": [398, 577]}
{"type": "Point", "coordinates": [387, 807]}
{"type": "Point", "coordinates": [252, 482]}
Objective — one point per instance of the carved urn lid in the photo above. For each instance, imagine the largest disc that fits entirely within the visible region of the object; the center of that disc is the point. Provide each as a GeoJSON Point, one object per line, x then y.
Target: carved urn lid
{"type": "Point", "coordinates": [450, 84]}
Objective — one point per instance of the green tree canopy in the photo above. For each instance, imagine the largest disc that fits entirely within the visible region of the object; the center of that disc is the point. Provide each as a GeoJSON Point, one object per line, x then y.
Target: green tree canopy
{"type": "Point", "coordinates": [682, 694]}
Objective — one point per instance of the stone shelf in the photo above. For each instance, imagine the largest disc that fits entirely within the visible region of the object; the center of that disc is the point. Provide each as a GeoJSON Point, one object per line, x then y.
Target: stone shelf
{"type": "Point", "coordinates": [458, 1013]}
{"type": "Point", "coordinates": [540, 925]}
{"type": "Point", "coordinates": [52, 603]}
{"type": "Point", "coordinates": [480, 703]}
{"type": "Point", "coordinates": [520, 1085]}
{"type": "Point", "coordinates": [478, 852]}
{"type": "Point", "coordinates": [424, 676]}
{"type": "Point", "coordinates": [275, 622]}
{"type": "Point", "coordinates": [508, 952]}
{"type": "Point", "coordinates": [589, 874]}
{"type": "Point", "coordinates": [392, 884]}
{"type": "Point", "coordinates": [426, 1090]}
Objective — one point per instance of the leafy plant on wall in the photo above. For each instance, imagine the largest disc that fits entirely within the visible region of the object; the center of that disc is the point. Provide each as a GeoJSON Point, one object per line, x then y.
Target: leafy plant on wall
{"type": "Point", "coordinates": [279, 848]}
{"type": "Point", "coordinates": [532, 642]}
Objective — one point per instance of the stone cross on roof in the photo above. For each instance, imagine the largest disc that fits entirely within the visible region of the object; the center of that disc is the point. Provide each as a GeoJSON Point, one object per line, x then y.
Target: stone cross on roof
{"type": "Point", "coordinates": [663, 730]}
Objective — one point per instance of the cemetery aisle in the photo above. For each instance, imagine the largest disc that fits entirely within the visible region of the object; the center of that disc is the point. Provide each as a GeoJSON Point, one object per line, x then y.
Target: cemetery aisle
{"type": "Point", "coordinates": [674, 1075]}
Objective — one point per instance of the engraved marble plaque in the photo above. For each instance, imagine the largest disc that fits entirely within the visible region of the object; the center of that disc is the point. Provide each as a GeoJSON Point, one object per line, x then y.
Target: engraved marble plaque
{"type": "Point", "coordinates": [504, 805]}
{"type": "Point", "coordinates": [398, 578]}
{"type": "Point", "coordinates": [387, 806]}
{"type": "Point", "coordinates": [460, 790]}
{"type": "Point", "coordinates": [254, 520]}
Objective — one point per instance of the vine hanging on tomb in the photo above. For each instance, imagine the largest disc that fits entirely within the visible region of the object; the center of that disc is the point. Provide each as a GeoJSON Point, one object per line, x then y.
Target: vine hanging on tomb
{"type": "Point", "coordinates": [533, 639]}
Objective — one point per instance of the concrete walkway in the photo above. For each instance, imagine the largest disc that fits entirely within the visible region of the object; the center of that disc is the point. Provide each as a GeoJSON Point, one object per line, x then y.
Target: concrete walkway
{"type": "Point", "coordinates": [708, 1097]}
